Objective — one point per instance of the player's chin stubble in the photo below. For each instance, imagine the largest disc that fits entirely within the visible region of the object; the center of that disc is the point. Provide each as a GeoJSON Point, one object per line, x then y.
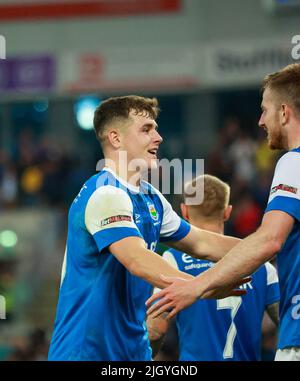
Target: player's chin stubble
{"type": "Point", "coordinates": [277, 140]}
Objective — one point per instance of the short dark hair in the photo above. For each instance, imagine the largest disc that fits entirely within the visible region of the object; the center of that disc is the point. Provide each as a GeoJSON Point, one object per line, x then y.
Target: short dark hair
{"type": "Point", "coordinates": [119, 108]}
{"type": "Point", "coordinates": [286, 85]}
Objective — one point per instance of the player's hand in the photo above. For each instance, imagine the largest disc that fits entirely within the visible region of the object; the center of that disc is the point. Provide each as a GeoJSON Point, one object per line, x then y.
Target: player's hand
{"type": "Point", "coordinates": [224, 292]}
{"type": "Point", "coordinates": [178, 295]}
{"type": "Point", "coordinates": [182, 293]}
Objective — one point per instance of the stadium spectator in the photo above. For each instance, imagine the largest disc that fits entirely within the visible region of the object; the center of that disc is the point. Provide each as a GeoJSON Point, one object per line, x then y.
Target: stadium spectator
{"type": "Point", "coordinates": [241, 155]}
{"type": "Point", "coordinates": [247, 216]}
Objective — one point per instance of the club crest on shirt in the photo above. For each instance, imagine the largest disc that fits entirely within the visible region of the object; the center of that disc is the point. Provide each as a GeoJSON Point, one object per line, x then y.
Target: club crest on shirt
{"type": "Point", "coordinates": [284, 187]}
{"type": "Point", "coordinates": [111, 220]}
{"type": "Point", "coordinates": [153, 212]}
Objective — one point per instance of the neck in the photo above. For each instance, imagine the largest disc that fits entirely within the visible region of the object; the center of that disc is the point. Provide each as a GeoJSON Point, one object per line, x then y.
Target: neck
{"type": "Point", "coordinates": [212, 226]}
{"type": "Point", "coordinates": [292, 144]}
{"type": "Point", "coordinates": [120, 167]}
{"type": "Point", "coordinates": [293, 135]}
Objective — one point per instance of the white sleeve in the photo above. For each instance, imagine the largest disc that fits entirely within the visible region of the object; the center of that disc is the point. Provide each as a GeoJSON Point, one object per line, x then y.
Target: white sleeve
{"type": "Point", "coordinates": [108, 207]}
{"type": "Point", "coordinates": [285, 189]}
{"type": "Point", "coordinates": [171, 220]}
{"type": "Point", "coordinates": [286, 181]}
{"type": "Point", "coordinates": [109, 216]}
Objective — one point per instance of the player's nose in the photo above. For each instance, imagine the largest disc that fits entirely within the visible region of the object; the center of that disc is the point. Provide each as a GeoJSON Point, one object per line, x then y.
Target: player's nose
{"type": "Point", "coordinates": [261, 122]}
{"type": "Point", "coordinates": [157, 138]}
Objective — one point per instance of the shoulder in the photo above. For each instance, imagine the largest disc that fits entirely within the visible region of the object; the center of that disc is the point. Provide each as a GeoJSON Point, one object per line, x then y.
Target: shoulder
{"type": "Point", "coordinates": [290, 160]}
{"type": "Point", "coordinates": [108, 194]}
{"type": "Point", "coordinates": [106, 202]}
{"type": "Point", "coordinates": [286, 181]}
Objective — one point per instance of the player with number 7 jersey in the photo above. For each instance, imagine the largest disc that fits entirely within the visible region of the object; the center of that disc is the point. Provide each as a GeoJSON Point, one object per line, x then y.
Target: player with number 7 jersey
{"type": "Point", "coordinates": [227, 329]}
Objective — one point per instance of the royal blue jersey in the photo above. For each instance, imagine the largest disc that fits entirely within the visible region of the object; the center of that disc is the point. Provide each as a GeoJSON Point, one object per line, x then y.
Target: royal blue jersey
{"type": "Point", "coordinates": [101, 309]}
{"type": "Point", "coordinates": [228, 329]}
{"type": "Point", "coordinates": [285, 196]}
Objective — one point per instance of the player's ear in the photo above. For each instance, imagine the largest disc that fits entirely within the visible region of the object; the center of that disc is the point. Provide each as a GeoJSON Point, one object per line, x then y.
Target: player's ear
{"type": "Point", "coordinates": [227, 212]}
{"type": "Point", "coordinates": [284, 114]}
{"type": "Point", "coordinates": [184, 211]}
{"type": "Point", "coordinates": [114, 137]}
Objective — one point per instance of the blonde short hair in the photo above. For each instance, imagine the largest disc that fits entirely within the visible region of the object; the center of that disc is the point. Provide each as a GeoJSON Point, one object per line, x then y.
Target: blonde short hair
{"type": "Point", "coordinates": [285, 85]}
{"type": "Point", "coordinates": [215, 198]}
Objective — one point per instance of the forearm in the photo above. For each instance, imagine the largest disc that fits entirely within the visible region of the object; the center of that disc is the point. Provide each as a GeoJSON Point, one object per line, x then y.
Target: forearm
{"type": "Point", "coordinates": [157, 328]}
{"type": "Point", "coordinates": [214, 246]}
{"type": "Point", "coordinates": [132, 252]}
{"type": "Point", "coordinates": [204, 244]}
{"type": "Point", "coordinates": [150, 266]}
{"type": "Point", "coordinates": [241, 261]}
{"type": "Point", "coordinates": [273, 312]}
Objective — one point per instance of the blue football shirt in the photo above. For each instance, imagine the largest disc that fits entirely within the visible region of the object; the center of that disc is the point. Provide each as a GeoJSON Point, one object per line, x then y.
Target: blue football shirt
{"type": "Point", "coordinates": [101, 309]}
{"type": "Point", "coordinates": [285, 196]}
{"type": "Point", "coordinates": [227, 329]}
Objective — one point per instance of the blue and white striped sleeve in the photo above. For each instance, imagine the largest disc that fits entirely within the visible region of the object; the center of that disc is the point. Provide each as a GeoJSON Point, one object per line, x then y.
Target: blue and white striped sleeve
{"type": "Point", "coordinates": [285, 189]}
{"type": "Point", "coordinates": [109, 216]}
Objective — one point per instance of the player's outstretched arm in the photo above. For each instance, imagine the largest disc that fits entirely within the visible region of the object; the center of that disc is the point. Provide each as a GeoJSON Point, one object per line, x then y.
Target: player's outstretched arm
{"type": "Point", "coordinates": [139, 261]}
{"type": "Point", "coordinates": [204, 244]}
{"type": "Point", "coordinates": [243, 260]}
{"type": "Point", "coordinates": [181, 294]}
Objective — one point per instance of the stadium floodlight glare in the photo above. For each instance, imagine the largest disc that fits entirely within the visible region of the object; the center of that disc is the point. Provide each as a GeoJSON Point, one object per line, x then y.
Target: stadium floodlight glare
{"type": "Point", "coordinates": [8, 239]}
{"type": "Point", "coordinates": [84, 111]}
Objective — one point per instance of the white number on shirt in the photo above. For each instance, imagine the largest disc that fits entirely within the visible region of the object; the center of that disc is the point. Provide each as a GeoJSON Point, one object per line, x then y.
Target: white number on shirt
{"type": "Point", "coordinates": [232, 303]}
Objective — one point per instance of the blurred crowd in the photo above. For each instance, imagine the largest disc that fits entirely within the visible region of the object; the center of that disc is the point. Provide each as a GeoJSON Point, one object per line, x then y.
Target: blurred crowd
{"type": "Point", "coordinates": [39, 172]}
{"type": "Point", "coordinates": [246, 163]}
